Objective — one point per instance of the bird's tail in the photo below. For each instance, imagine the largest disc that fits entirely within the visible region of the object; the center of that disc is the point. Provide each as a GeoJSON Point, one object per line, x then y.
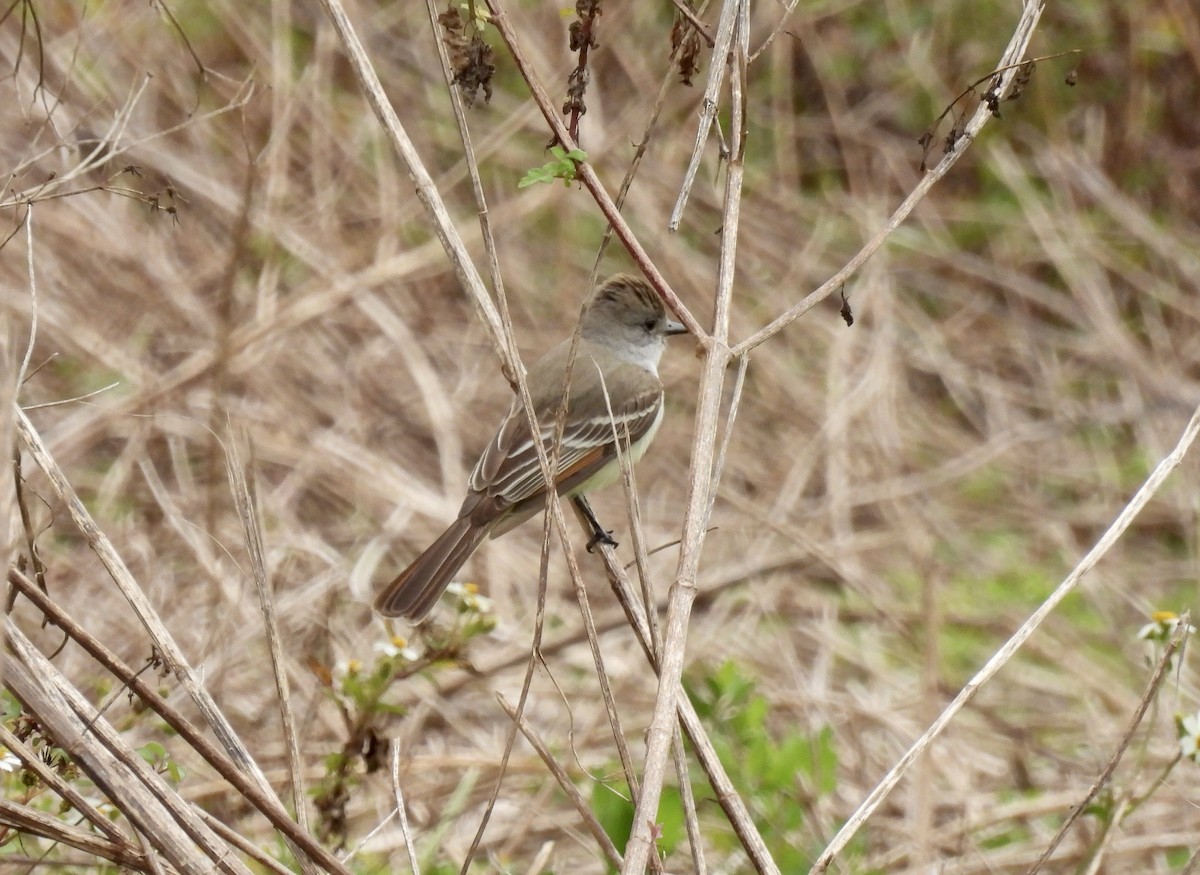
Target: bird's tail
{"type": "Point", "coordinates": [414, 593]}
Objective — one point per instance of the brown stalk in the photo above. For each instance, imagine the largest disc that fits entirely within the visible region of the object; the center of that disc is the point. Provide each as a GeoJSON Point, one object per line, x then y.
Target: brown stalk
{"type": "Point", "coordinates": [245, 497]}
{"type": "Point", "coordinates": [34, 822]}
{"type": "Point", "coordinates": [727, 796]}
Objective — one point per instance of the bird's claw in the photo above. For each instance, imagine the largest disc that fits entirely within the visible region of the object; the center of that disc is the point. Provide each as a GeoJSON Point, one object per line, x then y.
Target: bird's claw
{"type": "Point", "coordinates": [601, 537]}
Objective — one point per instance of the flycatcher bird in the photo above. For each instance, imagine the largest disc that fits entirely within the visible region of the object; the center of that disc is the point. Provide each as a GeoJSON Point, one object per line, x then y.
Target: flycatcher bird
{"type": "Point", "coordinates": [613, 391]}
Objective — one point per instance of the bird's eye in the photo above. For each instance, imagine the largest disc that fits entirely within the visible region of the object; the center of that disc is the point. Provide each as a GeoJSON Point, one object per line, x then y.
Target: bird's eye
{"type": "Point", "coordinates": [649, 324]}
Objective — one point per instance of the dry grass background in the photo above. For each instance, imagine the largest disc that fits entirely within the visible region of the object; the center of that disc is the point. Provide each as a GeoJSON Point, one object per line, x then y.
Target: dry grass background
{"type": "Point", "coordinates": [898, 496]}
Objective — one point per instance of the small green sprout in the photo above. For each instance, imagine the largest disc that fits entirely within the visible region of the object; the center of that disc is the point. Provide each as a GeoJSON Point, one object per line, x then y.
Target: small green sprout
{"type": "Point", "coordinates": [563, 166]}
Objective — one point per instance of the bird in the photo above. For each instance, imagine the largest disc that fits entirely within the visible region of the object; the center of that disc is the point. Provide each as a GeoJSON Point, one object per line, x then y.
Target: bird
{"type": "Point", "coordinates": [614, 390]}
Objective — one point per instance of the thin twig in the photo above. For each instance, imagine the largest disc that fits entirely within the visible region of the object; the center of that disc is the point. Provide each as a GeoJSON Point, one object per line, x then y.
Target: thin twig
{"type": "Point", "coordinates": [739, 383]}
{"type": "Point", "coordinates": [1160, 674]}
{"type": "Point", "coordinates": [708, 106]}
{"type": "Point", "coordinates": [73, 399]}
{"type": "Point", "coordinates": [775, 31]}
{"type": "Point", "coordinates": [31, 821]}
{"type": "Point", "coordinates": [47, 188]}
{"type": "Point", "coordinates": [1017, 46]}
{"type": "Point", "coordinates": [641, 558]}
{"type": "Point", "coordinates": [33, 301]}
{"type": "Point", "coordinates": [401, 811]}
{"type": "Point", "coordinates": [727, 796]}
{"type": "Point", "coordinates": [643, 144]}
{"type": "Point", "coordinates": [243, 844]}
{"type": "Point", "coordinates": [697, 25]}
{"type": "Point", "coordinates": [245, 499]}
{"type": "Point", "coordinates": [565, 784]}
{"type": "Point", "coordinates": [464, 133]}
{"type": "Point", "coordinates": [606, 693]}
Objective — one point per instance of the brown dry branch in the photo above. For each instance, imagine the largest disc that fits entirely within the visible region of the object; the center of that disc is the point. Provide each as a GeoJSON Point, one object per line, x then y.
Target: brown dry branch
{"type": "Point", "coordinates": [606, 693]}
{"type": "Point", "coordinates": [709, 104]}
{"type": "Point", "coordinates": [34, 822]}
{"type": "Point", "coordinates": [991, 99]}
{"type": "Point", "coordinates": [641, 560]}
{"type": "Point", "coordinates": [402, 809]}
{"type": "Point", "coordinates": [243, 844]}
{"type": "Point", "coordinates": [775, 31]}
{"type": "Point", "coordinates": [727, 794]}
{"type": "Point", "coordinates": [1008, 66]}
{"type": "Point", "coordinates": [644, 142]}
{"type": "Point", "coordinates": [644, 622]}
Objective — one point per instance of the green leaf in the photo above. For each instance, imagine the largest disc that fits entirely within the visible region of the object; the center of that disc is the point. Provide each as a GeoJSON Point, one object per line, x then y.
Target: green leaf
{"type": "Point", "coordinates": [562, 167]}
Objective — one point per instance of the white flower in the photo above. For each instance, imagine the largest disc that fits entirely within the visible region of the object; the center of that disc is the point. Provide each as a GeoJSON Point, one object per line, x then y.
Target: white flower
{"type": "Point", "coordinates": [397, 646]}
{"type": "Point", "coordinates": [1150, 632]}
{"type": "Point", "coordinates": [468, 597]}
{"type": "Point", "coordinates": [1189, 737]}
{"type": "Point", "coordinates": [345, 668]}
{"type": "Point", "coordinates": [1162, 627]}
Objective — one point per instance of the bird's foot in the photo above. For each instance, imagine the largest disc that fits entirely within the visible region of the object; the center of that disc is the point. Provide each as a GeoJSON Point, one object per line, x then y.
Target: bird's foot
{"type": "Point", "coordinates": [601, 537]}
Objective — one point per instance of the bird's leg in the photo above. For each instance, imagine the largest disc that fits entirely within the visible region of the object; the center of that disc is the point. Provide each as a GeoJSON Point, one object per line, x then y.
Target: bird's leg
{"type": "Point", "coordinates": [600, 535]}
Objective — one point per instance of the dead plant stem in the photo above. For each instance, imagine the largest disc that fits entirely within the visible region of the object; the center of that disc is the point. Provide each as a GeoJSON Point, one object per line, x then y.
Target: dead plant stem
{"type": "Point", "coordinates": [700, 484]}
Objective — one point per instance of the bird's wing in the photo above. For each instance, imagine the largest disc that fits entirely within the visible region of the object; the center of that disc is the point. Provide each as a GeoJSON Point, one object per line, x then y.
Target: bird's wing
{"type": "Point", "coordinates": [508, 469]}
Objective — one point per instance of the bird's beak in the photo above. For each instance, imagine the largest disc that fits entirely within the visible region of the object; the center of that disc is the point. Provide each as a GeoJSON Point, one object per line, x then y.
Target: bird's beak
{"type": "Point", "coordinates": [672, 327]}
